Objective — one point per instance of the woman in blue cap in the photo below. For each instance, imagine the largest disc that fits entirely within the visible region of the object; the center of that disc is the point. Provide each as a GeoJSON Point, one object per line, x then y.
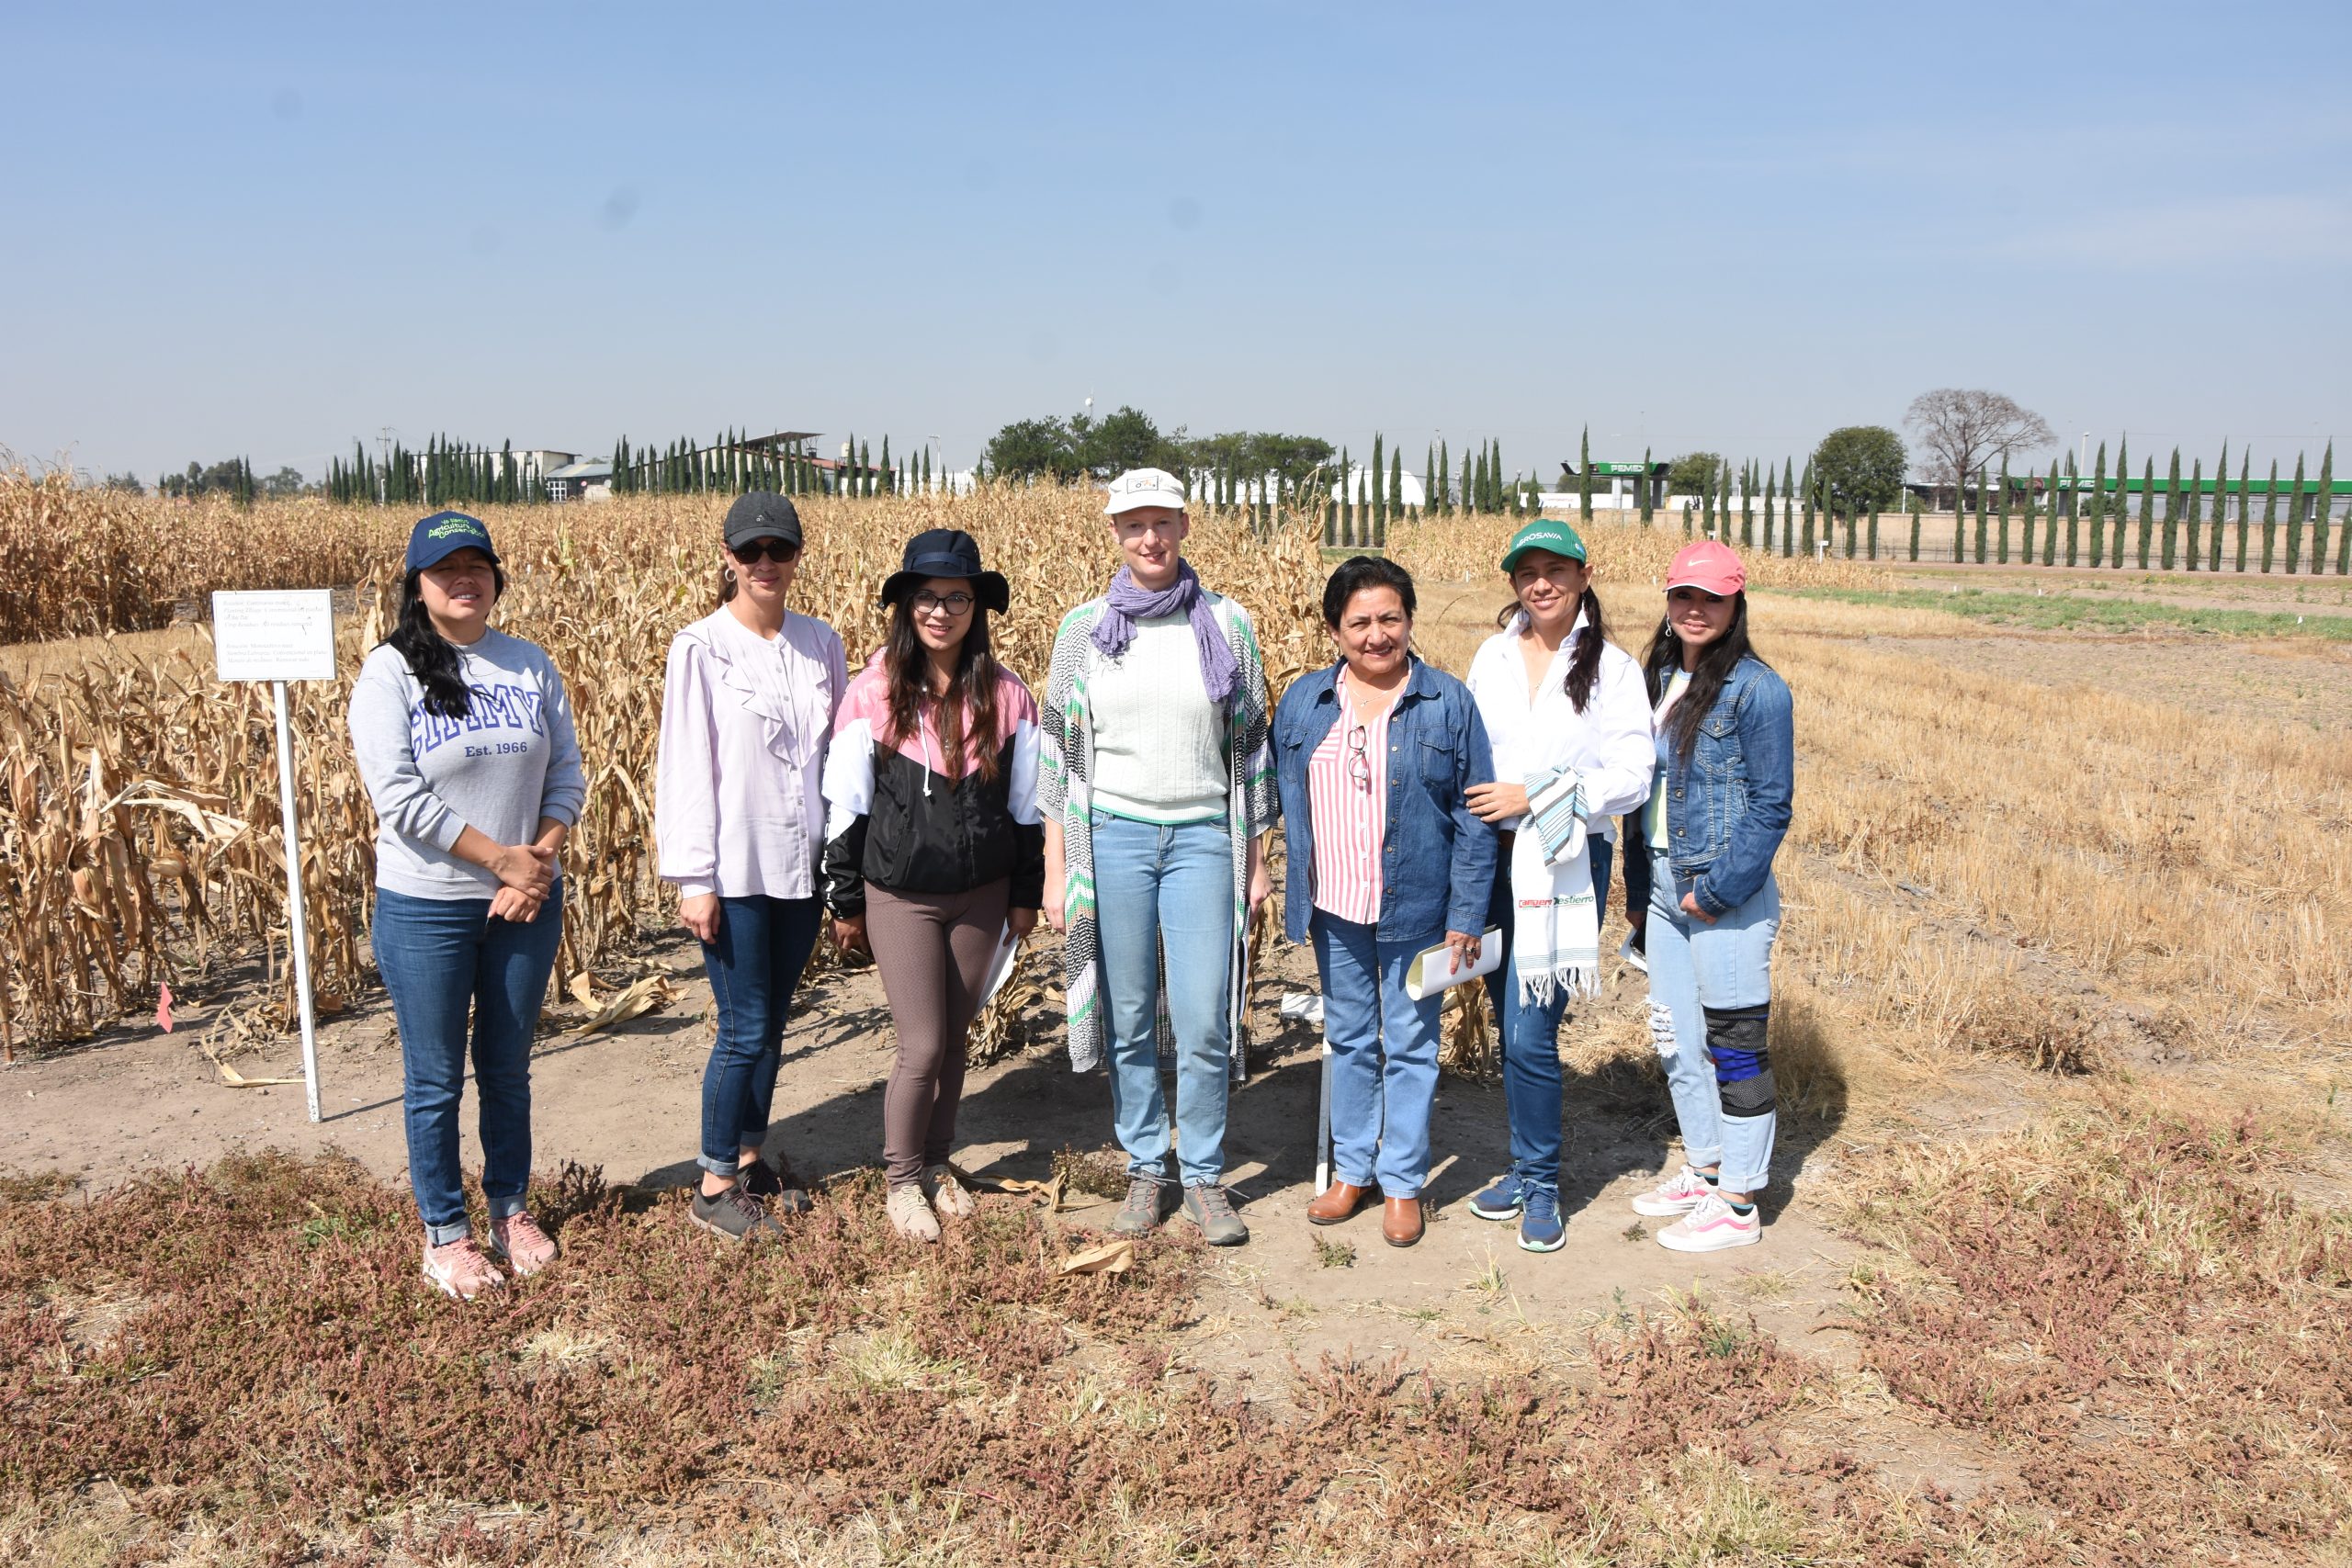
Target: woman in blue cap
{"type": "Point", "coordinates": [464, 739]}
{"type": "Point", "coordinates": [934, 854]}
{"type": "Point", "coordinates": [1569, 721]}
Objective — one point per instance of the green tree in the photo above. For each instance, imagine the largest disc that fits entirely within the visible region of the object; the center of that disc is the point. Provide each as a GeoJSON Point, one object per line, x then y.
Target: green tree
{"type": "Point", "coordinates": [2294, 518]}
{"type": "Point", "coordinates": [1918, 510]}
{"type": "Point", "coordinates": [2099, 513]}
{"type": "Point", "coordinates": [2001, 504]}
{"type": "Point", "coordinates": [2246, 504]}
{"type": "Point", "coordinates": [1860, 465]}
{"type": "Point", "coordinates": [2221, 508]}
{"type": "Point", "coordinates": [2172, 512]}
{"type": "Point", "coordinates": [1692, 474]}
{"type": "Point", "coordinates": [1809, 487]}
{"type": "Point", "coordinates": [1034, 448]}
{"type": "Point", "coordinates": [1771, 499]}
{"type": "Point", "coordinates": [2270, 517]}
{"type": "Point", "coordinates": [1787, 507]}
{"type": "Point", "coordinates": [2194, 514]}
{"type": "Point", "coordinates": [1584, 476]}
{"type": "Point", "coordinates": [2326, 505]}
{"type": "Point", "coordinates": [1649, 487]}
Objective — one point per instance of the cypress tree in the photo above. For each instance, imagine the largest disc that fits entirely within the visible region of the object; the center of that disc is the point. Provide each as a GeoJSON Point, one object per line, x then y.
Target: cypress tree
{"type": "Point", "coordinates": [866, 469]}
{"type": "Point", "coordinates": [1915, 512]}
{"type": "Point", "coordinates": [1396, 480]}
{"type": "Point", "coordinates": [1874, 531]}
{"type": "Point", "coordinates": [1443, 497]}
{"type": "Point", "coordinates": [2099, 513]}
{"type": "Point", "coordinates": [2025, 527]}
{"type": "Point", "coordinates": [1769, 499]}
{"type": "Point", "coordinates": [2221, 507]}
{"type": "Point", "coordinates": [2295, 518]}
{"type": "Point", "coordinates": [2147, 509]}
{"type": "Point", "coordinates": [1707, 508]}
{"type": "Point", "coordinates": [2270, 517]}
{"type": "Point", "coordinates": [2172, 512]}
{"type": "Point", "coordinates": [1584, 476]}
{"type": "Point", "coordinates": [1809, 488]}
{"type": "Point", "coordinates": [1788, 507]}
{"type": "Point", "coordinates": [2002, 503]}
{"type": "Point", "coordinates": [2246, 510]}
{"type": "Point", "coordinates": [1958, 525]}
{"type": "Point", "coordinates": [886, 462]}
{"type": "Point", "coordinates": [1748, 505]}
{"type": "Point", "coordinates": [2327, 499]}
{"type": "Point", "coordinates": [1494, 476]}
{"type": "Point", "coordinates": [2193, 514]}
{"type": "Point", "coordinates": [1981, 519]}
{"type": "Point", "coordinates": [1722, 502]}
{"type": "Point", "coordinates": [1379, 468]}
{"type": "Point", "coordinates": [2326, 505]}
{"type": "Point", "coordinates": [1649, 496]}
{"type": "Point", "coordinates": [1429, 482]}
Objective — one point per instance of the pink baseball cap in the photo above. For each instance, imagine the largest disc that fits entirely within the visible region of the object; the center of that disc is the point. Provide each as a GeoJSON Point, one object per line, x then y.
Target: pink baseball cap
{"type": "Point", "coordinates": [1709, 566]}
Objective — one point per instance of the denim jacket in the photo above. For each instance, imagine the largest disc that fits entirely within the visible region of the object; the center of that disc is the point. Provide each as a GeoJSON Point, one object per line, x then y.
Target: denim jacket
{"type": "Point", "coordinates": [1727, 803]}
{"type": "Point", "coordinates": [1438, 865]}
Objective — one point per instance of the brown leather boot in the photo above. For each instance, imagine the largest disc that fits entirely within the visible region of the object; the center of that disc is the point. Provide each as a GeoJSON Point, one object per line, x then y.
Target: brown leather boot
{"type": "Point", "coordinates": [1400, 1221]}
{"type": "Point", "coordinates": [1339, 1201]}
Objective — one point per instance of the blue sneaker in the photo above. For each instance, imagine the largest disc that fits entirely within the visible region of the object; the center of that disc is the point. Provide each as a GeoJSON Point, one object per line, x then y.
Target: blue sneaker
{"type": "Point", "coordinates": [1540, 1229]}
{"type": "Point", "coordinates": [1500, 1202]}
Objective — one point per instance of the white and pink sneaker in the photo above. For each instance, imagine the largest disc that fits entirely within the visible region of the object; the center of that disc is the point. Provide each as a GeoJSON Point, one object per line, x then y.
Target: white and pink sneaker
{"type": "Point", "coordinates": [1713, 1226]}
{"type": "Point", "coordinates": [1678, 1194]}
{"type": "Point", "coordinates": [459, 1270]}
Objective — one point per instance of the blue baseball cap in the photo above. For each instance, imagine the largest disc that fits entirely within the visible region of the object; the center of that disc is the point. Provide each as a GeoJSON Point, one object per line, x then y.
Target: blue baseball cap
{"type": "Point", "coordinates": [443, 534]}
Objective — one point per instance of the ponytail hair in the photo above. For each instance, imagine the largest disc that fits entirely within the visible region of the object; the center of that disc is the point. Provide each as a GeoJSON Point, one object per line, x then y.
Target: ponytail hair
{"type": "Point", "coordinates": [1584, 664]}
{"type": "Point", "coordinates": [431, 656]}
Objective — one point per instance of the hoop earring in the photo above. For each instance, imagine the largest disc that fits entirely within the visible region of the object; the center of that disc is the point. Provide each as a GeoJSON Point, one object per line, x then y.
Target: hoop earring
{"type": "Point", "coordinates": [728, 573]}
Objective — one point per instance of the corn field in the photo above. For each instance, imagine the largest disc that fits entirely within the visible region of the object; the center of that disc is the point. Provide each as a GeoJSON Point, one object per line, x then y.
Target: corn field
{"type": "Point", "coordinates": [139, 822]}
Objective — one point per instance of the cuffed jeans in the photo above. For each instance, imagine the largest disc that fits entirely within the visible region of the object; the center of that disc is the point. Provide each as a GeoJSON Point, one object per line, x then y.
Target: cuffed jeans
{"type": "Point", "coordinates": [762, 947]}
{"type": "Point", "coordinates": [1384, 1055]}
{"type": "Point", "coordinates": [1695, 966]}
{"type": "Point", "coordinates": [1158, 884]}
{"type": "Point", "coordinates": [443, 960]}
{"type": "Point", "coordinates": [1530, 1035]}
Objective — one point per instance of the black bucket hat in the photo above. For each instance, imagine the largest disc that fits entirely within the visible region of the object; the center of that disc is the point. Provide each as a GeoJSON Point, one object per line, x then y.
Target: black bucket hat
{"type": "Point", "coordinates": [946, 552]}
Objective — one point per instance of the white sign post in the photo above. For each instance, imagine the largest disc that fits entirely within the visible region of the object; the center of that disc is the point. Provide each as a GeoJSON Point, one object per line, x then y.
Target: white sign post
{"type": "Point", "coordinates": [279, 637]}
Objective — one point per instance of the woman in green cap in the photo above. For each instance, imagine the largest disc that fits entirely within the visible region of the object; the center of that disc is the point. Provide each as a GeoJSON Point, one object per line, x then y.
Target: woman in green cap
{"type": "Point", "coordinates": [1570, 726]}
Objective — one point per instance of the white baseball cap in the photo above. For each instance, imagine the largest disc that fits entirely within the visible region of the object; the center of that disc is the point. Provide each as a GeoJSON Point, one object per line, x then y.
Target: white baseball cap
{"type": "Point", "coordinates": [1145, 486]}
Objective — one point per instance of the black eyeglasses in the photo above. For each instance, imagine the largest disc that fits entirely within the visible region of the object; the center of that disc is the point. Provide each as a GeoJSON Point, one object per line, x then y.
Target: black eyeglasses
{"type": "Point", "coordinates": [784, 552]}
{"type": "Point", "coordinates": [1358, 760]}
{"type": "Point", "coordinates": [926, 602]}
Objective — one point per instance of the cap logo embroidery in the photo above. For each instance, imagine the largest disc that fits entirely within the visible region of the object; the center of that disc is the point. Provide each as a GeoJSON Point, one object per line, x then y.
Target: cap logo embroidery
{"type": "Point", "coordinates": [455, 525]}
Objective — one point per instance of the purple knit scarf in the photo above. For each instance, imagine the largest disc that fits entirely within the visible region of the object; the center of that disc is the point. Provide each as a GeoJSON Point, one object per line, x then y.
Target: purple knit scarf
{"type": "Point", "coordinates": [1129, 603]}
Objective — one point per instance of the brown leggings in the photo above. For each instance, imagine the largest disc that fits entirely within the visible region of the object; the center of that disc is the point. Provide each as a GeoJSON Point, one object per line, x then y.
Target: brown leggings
{"type": "Point", "coordinates": [933, 950]}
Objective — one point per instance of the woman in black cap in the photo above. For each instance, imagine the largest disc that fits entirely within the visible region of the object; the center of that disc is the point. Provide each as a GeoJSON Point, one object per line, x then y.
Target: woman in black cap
{"type": "Point", "coordinates": [933, 855]}
{"type": "Point", "coordinates": [747, 708]}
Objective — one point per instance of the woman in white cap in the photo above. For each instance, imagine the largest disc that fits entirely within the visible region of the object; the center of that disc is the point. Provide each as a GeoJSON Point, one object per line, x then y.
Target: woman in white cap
{"type": "Point", "coordinates": [1563, 709]}
{"type": "Point", "coordinates": [1155, 784]}
{"type": "Point", "coordinates": [739, 814]}
{"type": "Point", "coordinates": [1726, 765]}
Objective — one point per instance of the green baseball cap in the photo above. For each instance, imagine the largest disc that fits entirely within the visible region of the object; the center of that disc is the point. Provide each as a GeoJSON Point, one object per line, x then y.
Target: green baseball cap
{"type": "Point", "coordinates": [1543, 534]}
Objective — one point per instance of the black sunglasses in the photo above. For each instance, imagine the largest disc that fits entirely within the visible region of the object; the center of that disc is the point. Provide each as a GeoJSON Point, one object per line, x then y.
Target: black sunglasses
{"type": "Point", "coordinates": [781, 552]}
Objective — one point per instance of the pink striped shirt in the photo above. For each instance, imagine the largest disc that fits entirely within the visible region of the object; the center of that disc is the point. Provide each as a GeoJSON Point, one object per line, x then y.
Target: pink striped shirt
{"type": "Point", "coordinates": [1350, 813]}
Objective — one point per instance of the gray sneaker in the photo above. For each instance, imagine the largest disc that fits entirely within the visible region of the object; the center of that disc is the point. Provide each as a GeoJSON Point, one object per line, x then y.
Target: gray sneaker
{"type": "Point", "coordinates": [1208, 1207]}
{"type": "Point", "coordinates": [1144, 1208]}
{"type": "Point", "coordinates": [735, 1214]}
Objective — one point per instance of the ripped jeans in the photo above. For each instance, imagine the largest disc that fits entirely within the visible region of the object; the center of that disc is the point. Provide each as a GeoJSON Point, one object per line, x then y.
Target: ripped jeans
{"type": "Point", "coordinates": [1710, 991]}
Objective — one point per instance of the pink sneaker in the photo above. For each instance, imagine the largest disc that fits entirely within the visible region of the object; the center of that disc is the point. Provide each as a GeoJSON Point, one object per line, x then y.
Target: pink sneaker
{"type": "Point", "coordinates": [460, 1268]}
{"type": "Point", "coordinates": [518, 1240]}
{"type": "Point", "coordinates": [1713, 1226]}
{"type": "Point", "coordinates": [1678, 1194]}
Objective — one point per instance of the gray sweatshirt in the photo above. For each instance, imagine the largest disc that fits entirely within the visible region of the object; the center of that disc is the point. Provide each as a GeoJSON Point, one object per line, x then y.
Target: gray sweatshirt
{"type": "Point", "coordinates": [509, 763]}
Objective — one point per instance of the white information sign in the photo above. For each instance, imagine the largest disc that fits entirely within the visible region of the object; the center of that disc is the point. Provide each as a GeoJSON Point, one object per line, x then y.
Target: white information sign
{"type": "Point", "coordinates": [279, 636]}
{"type": "Point", "coordinates": [284, 635]}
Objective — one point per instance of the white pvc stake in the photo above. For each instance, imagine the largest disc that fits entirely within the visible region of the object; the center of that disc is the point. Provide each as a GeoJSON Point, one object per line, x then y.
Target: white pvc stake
{"type": "Point", "coordinates": [1323, 1123]}
{"type": "Point", "coordinates": [299, 926]}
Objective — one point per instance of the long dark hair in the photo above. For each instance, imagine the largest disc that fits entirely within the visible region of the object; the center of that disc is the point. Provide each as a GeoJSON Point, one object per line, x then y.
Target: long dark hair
{"type": "Point", "coordinates": [1584, 664]}
{"type": "Point", "coordinates": [1716, 662]}
{"type": "Point", "coordinates": [971, 694]}
{"type": "Point", "coordinates": [431, 657]}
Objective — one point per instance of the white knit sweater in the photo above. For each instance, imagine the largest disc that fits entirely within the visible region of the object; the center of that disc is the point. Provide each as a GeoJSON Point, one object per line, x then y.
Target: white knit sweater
{"type": "Point", "coordinates": [1158, 741]}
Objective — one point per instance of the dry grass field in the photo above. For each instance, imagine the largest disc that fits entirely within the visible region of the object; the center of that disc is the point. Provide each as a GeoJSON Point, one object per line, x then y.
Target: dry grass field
{"type": "Point", "coordinates": [2061, 1013]}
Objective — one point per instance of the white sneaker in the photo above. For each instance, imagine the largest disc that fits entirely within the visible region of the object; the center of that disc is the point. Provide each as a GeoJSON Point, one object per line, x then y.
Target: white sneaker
{"type": "Point", "coordinates": [947, 1195]}
{"type": "Point", "coordinates": [1712, 1227]}
{"type": "Point", "coordinates": [1678, 1194]}
{"type": "Point", "coordinates": [910, 1214]}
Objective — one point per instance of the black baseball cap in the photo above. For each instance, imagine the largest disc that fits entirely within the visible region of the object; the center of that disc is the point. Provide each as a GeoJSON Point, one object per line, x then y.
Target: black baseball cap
{"type": "Point", "coordinates": [762, 514]}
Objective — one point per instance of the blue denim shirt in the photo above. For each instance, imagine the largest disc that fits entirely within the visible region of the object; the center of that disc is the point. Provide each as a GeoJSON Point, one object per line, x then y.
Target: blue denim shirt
{"type": "Point", "coordinates": [1727, 804]}
{"type": "Point", "coordinates": [1437, 749]}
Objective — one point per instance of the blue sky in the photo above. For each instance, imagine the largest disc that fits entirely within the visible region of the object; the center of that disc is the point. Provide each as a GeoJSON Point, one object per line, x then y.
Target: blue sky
{"type": "Point", "coordinates": [270, 229]}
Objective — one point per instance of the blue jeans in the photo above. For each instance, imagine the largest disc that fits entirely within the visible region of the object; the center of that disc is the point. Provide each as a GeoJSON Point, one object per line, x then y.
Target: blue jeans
{"type": "Point", "coordinates": [1377, 1105]}
{"type": "Point", "coordinates": [1695, 967]}
{"type": "Point", "coordinates": [443, 959]}
{"type": "Point", "coordinates": [1159, 886]}
{"type": "Point", "coordinates": [1530, 1034]}
{"type": "Point", "coordinates": [764, 943]}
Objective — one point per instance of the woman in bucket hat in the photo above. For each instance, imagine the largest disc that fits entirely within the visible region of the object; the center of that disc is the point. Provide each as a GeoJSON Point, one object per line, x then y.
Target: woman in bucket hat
{"type": "Point", "coordinates": [1155, 784]}
{"type": "Point", "coordinates": [1727, 762]}
{"type": "Point", "coordinates": [464, 739]}
{"type": "Point", "coordinates": [933, 855]}
{"type": "Point", "coordinates": [1570, 730]}
{"type": "Point", "coordinates": [747, 710]}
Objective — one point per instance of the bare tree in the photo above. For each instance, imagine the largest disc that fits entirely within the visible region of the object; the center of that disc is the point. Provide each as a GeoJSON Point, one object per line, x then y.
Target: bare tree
{"type": "Point", "coordinates": [1962, 430]}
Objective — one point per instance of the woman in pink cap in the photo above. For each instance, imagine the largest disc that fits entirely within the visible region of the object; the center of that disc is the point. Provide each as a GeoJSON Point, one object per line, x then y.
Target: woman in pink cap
{"type": "Point", "coordinates": [1727, 762]}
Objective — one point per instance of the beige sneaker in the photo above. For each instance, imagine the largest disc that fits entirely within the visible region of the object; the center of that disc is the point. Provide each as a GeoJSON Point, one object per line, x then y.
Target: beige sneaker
{"type": "Point", "coordinates": [910, 1214]}
{"type": "Point", "coordinates": [519, 1243]}
{"type": "Point", "coordinates": [947, 1195]}
{"type": "Point", "coordinates": [459, 1270]}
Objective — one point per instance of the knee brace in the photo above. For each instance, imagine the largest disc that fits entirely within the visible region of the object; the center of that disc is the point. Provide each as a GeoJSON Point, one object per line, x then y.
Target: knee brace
{"type": "Point", "coordinates": [1735, 1039]}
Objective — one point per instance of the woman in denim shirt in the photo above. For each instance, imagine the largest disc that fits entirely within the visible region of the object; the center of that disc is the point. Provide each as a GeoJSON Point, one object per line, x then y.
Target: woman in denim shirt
{"type": "Point", "coordinates": [1373, 757]}
{"type": "Point", "coordinates": [1726, 765]}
